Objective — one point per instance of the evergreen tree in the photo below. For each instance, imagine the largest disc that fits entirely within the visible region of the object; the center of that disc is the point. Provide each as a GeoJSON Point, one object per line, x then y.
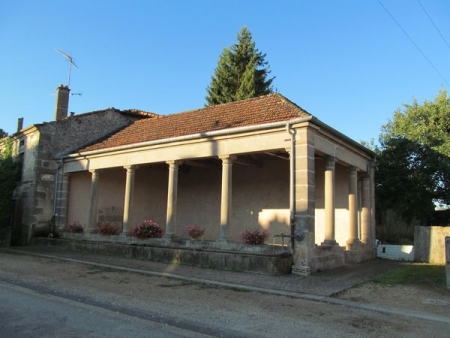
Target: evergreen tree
{"type": "Point", "coordinates": [242, 72]}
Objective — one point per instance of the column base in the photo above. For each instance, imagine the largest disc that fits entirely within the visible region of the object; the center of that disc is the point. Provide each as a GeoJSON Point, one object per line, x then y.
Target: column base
{"type": "Point", "coordinates": [302, 270]}
{"type": "Point", "coordinates": [126, 234]}
{"type": "Point", "coordinates": [329, 242]}
{"type": "Point", "coordinates": [169, 237]}
{"type": "Point", "coordinates": [353, 244]}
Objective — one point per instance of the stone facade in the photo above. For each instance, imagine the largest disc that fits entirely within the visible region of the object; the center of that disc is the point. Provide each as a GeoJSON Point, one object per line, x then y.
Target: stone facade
{"type": "Point", "coordinates": [39, 148]}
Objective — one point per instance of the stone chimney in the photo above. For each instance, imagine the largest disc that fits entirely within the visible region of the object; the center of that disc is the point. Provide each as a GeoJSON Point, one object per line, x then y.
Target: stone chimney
{"type": "Point", "coordinates": [62, 102]}
{"type": "Point", "coordinates": [19, 123]}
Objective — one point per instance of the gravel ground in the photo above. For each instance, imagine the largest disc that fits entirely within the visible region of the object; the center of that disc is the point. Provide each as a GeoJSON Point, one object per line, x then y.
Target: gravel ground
{"type": "Point", "coordinates": [406, 297]}
{"type": "Point", "coordinates": [222, 312]}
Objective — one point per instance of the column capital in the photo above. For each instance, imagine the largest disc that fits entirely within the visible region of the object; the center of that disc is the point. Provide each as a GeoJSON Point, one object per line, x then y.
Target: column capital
{"type": "Point", "coordinates": [173, 163]}
{"type": "Point", "coordinates": [130, 167]}
{"type": "Point", "coordinates": [93, 171]}
{"type": "Point", "coordinates": [227, 158]}
{"type": "Point", "coordinates": [330, 162]}
{"type": "Point", "coordinates": [352, 170]}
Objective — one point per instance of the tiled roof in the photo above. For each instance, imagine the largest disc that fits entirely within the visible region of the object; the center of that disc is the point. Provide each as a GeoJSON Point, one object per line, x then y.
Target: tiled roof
{"type": "Point", "coordinates": [260, 110]}
{"type": "Point", "coordinates": [138, 113]}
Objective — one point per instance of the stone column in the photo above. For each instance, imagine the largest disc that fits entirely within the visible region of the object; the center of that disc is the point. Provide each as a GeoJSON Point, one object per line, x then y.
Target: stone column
{"type": "Point", "coordinates": [366, 210]}
{"type": "Point", "coordinates": [225, 205]}
{"type": "Point", "coordinates": [329, 201]}
{"type": "Point", "coordinates": [128, 201]}
{"type": "Point", "coordinates": [304, 201]}
{"type": "Point", "coordinates": [171, 219]}
{"type": "Point", "coordinates": [353, 239]}
{"type": "Point", "coordinates": [93, 199]}
{"type": "Point", "coordinates": [62, 196]}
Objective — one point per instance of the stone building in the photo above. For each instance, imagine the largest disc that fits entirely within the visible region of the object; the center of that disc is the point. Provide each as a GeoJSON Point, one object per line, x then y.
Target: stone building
{"type": "Point", "coordinates": [257, 163]}
{"type": "Point", "coordinates": [38, 148]}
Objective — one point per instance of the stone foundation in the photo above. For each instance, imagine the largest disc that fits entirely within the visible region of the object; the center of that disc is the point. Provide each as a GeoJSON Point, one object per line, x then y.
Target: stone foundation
{"type": "Point", "coordinates": [159, 250]}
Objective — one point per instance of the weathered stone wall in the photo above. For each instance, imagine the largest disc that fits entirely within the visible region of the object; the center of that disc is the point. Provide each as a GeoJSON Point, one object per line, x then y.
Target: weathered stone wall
{"type": "Point", "coordinates": [429, 244]}
{"type": "Point", "coordinates": [40, 176]}
{"type": "Point", "coordinates": [77, 130]}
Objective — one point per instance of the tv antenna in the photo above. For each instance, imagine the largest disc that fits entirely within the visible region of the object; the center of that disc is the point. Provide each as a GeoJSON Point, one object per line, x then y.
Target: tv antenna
{"type": "Point", "coordinates": [71, 62]}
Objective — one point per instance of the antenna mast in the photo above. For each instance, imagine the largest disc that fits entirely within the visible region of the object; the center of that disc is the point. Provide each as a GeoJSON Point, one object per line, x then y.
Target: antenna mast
{"type": "Point", "coordinates": [71, 62]}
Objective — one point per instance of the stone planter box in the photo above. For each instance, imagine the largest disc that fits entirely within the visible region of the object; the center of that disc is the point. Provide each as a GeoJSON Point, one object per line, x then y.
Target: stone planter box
{"type": "Point", "coordinates": [70, 235]}
{"type": "Point", "coordinates": [269, 263]}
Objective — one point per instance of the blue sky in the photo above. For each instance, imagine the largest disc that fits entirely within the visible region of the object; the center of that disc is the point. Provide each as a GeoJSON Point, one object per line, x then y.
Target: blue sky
{"type": "Point", "coordinates": [345, 61]}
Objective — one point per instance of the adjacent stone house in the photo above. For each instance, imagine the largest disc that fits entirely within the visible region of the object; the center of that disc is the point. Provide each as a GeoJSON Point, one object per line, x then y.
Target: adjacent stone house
{"type": "Point", "coordinates": [262, 162]}
{"type": "Point", "coordinates": [38, 148]}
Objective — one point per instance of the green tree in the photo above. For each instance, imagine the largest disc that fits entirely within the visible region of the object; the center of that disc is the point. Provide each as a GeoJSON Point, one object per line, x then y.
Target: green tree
{"type": "Point", "coordinates": [9, 177]}
{"type": "Point", "coordinates": [413, 165]}
{"type": "Point", "coordinates": [3, 133]}
{"type": "Point", "coordinates": [242, 72]}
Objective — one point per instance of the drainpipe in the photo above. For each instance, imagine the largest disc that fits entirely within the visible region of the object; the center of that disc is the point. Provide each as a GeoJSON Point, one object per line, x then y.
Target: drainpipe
{"type": "Point", "coordinates": [55, 199]}
{"type": "Point", "coordinates": [292, 183]}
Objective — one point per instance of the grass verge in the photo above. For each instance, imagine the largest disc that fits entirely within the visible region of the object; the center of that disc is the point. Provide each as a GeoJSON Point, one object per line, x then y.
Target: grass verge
{"type": "Point", "coordinates": [414, 274]}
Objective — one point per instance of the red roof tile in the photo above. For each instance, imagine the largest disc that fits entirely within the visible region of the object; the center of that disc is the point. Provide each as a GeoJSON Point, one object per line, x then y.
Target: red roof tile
{"type": "Point", "coordinates": [260, 110]}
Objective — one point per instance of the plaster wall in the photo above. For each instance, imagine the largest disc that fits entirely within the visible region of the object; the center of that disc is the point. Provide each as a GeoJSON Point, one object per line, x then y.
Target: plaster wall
{"type": "Point", "coordinates": [111, 191]}
{"type": "Point", "coordinates": [260, 196]}
{"type": "Point", "coordinates": [79, 191]}
{"type": "Point", "coordinates": [150, 194]}
{"type": "Point", "coordinates": [199, 200]}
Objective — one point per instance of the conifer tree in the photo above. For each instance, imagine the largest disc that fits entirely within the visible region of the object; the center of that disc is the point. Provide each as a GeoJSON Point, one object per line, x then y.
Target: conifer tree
{"type": "Point", "coordinates": [242, 72]}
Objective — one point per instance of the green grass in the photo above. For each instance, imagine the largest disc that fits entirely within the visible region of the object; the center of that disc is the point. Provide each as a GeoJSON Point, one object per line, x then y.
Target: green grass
{"type": "Point", "coordinates": [415, 274]}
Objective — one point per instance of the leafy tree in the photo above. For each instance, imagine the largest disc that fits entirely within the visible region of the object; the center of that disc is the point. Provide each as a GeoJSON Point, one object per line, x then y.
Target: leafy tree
{"type": "Point", "coordinates": [3, 133]}
{"type": "Point", "coordinates": [413, 166]}
{"type": "Point", "coordinates": [242, 72]}
{"type": "Point", "coordinates": [9, 177]}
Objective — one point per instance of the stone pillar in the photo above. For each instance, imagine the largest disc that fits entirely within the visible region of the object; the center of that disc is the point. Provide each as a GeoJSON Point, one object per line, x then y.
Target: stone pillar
{"type": "Point", "coordinates": [93, 199]}
{"type": "Point", "coordinates": [62, 196]}
{"type": "Point", "coordinates": [128, 200]}
{"type": "Point", "coordinates": [366, 207]}
{"type": "Point", "coordinates": [225, 205]}
{"type": "Point", "coordinates": [353, 238]}
{"type": "Point", "coordinates": [304, 201]}
{"type": "Point", "coordinates": [171, 220]}
{"type": "Point", "coordinates": [329, 201]}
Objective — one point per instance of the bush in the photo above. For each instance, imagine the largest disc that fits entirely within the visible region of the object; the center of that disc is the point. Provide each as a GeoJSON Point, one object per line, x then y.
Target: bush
{"type": "Point", "coordinates": [75, 228]}
{"type": "Point", "coordinates": [108, 229]}
{"type": "Point", "coordinates": [147, 229]}
{"type": "Point", "coordinates": [194, 231]}
{"type": "Point", "coordinates": [254, 236]}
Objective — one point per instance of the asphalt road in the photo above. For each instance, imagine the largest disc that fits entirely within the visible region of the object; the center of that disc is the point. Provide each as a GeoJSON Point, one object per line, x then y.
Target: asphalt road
{"type": "Point", "coordinates": [28, 313]}
{"type": "Point", "coordinates": [42, 297]}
